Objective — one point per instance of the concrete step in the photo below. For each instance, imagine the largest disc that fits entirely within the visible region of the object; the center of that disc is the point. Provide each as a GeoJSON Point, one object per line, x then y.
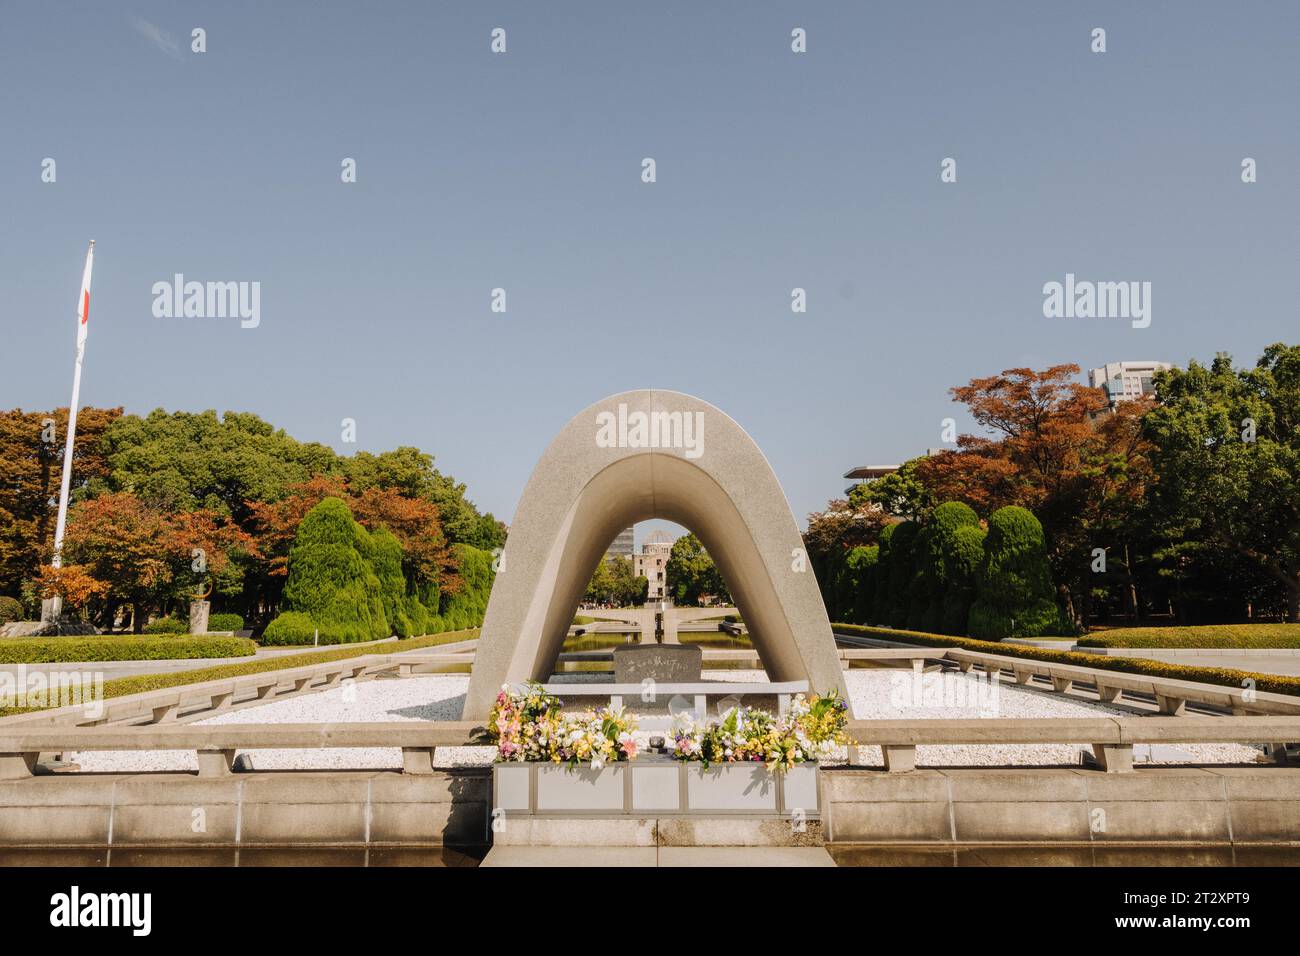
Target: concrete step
{"type": "Point", "coordinates": [693, 856]}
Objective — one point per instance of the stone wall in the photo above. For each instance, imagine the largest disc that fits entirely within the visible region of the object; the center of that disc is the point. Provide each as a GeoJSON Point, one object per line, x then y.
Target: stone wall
{"type": "Point", "coordinates": [1222, 805]}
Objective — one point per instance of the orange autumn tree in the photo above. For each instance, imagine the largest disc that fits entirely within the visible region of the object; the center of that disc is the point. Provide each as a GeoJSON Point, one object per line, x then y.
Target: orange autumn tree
{"type": "Point", "coordinates": [145, 556]}
{"type": "Point", "coordinates": [31, 461]}
{"type": "Point", "coordinates": [73, 583]}
{"type": "Point", "coordinates": [427, 562]}
{"type": "Point", "coordinates": [1055, 447]}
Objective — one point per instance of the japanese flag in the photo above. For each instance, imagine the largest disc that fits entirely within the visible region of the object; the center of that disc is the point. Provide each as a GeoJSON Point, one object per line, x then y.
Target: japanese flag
{"type": "Point", "coordinates": [83, 302]}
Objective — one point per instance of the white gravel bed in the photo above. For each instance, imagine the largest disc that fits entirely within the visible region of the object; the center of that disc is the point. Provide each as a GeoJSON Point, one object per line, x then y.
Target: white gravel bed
{"type": "Point", "coordinates": [432, 697]}
{"type": "Point", "coordinates": [875, 693]}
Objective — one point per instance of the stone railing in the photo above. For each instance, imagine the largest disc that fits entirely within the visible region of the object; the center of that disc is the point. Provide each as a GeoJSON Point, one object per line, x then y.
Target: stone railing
{"type": "Point", "coordinates": [216, 745]}
{"type": "Point", "coordinates": [1171, 695]}
{"type": "Point", "coordinates": [191, 701]}
{"type": "Point", "coordinates": [1111, 738]}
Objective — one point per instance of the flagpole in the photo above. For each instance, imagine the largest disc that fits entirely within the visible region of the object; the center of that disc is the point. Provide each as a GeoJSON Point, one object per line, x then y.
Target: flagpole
{"type": "Point", "coordinates": [54, 605]}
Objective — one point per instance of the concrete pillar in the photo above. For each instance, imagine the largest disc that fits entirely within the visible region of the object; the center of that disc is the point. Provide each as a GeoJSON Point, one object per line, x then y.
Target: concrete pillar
{"type": "Point", "coordinates": [417, 759]}
{"type": "Point", "coordinates": [1114, 758]}
{"type": "Point", "coordinates": [199, 616]}
{"type": "Point", "coordinates": [51, 610]}
{"type": "Point", "coordinates": [899, 758]}
{"type": "Point", "coordinates": [17, 766]}
{"type": "Point", "coordinates": [1062, 685]}
{"type": "Point", "coordinates": [1173, 706]}
{"type": "Point", "coordinates": [1108, 695]}
{"type": "Point", "coordinates": [215, 763]}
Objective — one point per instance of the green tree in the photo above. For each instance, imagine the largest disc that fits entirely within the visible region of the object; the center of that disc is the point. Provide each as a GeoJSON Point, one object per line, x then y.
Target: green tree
{"type": "Point", "coordinates": [690, 572]}
{"type": "Point", "coordinates": [1228, 459]}
{"type": "Point", "coordinates": [901, 493]}
{"type": "Point", "coordinates": [613, 582]}
{"type": "Point", "coordinates": [412, 473]}
{"type": "Point", "coordinates": [1014, 580]}
{"type": "Point", "coordinates": [187, 460]}
{"type": "Point", "coordinates": [831, 535]}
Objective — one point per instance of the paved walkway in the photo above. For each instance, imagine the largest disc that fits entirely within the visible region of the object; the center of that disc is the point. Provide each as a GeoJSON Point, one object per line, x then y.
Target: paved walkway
{"type": "Point", "coordinates": [115, 669]}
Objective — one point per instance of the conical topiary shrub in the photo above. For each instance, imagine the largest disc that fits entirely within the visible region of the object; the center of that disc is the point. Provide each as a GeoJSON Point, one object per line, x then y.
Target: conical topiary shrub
{"type": "Point", "coordinates": [965, 552]}
{"type": "Point", "coordinates": [938, 568]}
{"type": "Point", "coordinates": [1014, 582]}
{"type": "Point", "coordinates": [466, 606]}
{"type": "Point", "coordinates": [863, 561]}
{"type": "Point", "coordinates": [884, 562]}
{"type": "Point", "coordinates": [900, 572]}
{"type": "Point", "coordinates": [404, 613]}
{"type": "Point", "coordinates": [332, 578]}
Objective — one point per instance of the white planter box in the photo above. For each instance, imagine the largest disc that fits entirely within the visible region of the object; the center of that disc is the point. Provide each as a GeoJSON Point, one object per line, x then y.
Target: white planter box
{"type": "Point", "coordinates": [654, 785]}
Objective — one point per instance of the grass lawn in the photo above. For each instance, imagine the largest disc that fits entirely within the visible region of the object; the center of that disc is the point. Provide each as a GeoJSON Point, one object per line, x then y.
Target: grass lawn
{"type": "Point", "coordinates": [123, 686]}
{"type": "Point", "coordinates": [1244, 636]}
{"type": "Point", "coordinates": [1224, 676]}
{"type": "Point", "coordinates": [122, 647]}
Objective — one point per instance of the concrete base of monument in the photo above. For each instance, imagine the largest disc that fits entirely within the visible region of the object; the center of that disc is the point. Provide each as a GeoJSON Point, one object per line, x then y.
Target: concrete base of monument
{"type": "Point", "coordinates": [662, 663]}
{"type": "Point", "coordinates": [655, 801]}
{"type": "Point", "coordinates": [666, 831]}
{"type": "Point", "coordinates": [623, 856]}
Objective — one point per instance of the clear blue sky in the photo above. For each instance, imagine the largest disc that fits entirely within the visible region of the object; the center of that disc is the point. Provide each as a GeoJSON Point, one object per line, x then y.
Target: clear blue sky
{"type": "Point", "coordinates": [522, 170]}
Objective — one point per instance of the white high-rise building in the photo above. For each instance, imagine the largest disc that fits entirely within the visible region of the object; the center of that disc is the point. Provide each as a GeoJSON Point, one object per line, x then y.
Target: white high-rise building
{"type": "Point", "coordinates": [1124, 381]}
{"type": "Point", "coordinates": [621, 547]}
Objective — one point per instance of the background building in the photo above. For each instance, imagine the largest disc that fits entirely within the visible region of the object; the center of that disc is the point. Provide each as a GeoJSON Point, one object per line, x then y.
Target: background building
{"type": "Point", "coordinates": [867, 473]}
{"type": "Point", "coordinates": [622, 546]}
{"type": "Point", "coordinates": [1124, 381]}
{"type": "Point", "coordinates": [653, 562]}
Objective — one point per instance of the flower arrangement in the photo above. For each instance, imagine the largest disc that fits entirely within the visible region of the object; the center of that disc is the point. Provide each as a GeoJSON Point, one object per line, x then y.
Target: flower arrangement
{"type": "Point", "coordinates": [527, 725]}
{"type": "Point", "coordinates": [811, 729]}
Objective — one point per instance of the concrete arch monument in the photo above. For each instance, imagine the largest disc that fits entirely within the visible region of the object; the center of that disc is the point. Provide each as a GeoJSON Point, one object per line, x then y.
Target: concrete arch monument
{"type": "Point", "coordinates": [631, 457]}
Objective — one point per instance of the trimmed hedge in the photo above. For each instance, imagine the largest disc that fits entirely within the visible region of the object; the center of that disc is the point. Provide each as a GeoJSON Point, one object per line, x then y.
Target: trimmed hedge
{"type": "Point", "coordinates": [1224, 676]}
{"type": "Point", "coordinates": [123, 686]}
{"type": "Point", "coordinates": [290, 627]}
{"type": "Point", "coordinates": [41, 650]}
{"type": "Point", "coordinates": [1246, 636]}
{"type": "Point", "coordinates": [225, 622]}
{"type": "Point", "coordinates": [166, 625]}
{"type": "Point", "coordinates": [11, 609]}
